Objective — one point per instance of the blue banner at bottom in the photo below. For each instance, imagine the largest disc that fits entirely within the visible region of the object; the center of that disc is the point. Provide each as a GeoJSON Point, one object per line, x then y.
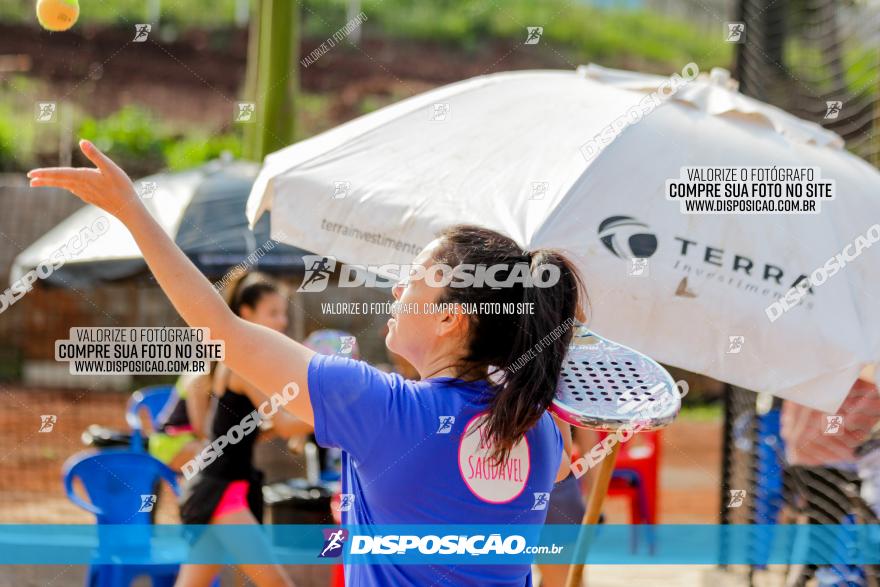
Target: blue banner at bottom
{"type": "Point", "coordinates": [440, 544]}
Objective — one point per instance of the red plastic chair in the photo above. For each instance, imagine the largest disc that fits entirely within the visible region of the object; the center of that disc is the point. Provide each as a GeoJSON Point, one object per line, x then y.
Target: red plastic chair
{"type": "Point", "coordinates": [641, 455]}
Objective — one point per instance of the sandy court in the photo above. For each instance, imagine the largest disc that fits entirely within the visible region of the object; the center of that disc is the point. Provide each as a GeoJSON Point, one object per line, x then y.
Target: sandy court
{"type": "Point", "coordinates": [31, 461]}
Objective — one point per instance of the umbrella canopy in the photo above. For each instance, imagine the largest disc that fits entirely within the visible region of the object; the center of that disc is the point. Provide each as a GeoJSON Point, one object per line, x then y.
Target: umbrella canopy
{"type": "Point", "coordinates": [506, 151]}
{"type": "Point", "coordinates": [203, 209]}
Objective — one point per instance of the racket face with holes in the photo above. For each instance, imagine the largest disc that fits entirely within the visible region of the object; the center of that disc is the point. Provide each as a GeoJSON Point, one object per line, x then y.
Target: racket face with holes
{"type": "Point", "coordinates": [606, 386]}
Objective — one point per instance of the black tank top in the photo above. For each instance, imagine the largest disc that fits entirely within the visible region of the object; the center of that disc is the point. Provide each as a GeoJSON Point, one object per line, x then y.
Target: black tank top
{"type": "Point", "coordinates": [236, 462]}
{"type": "Point", "coordinates": [178, 418]}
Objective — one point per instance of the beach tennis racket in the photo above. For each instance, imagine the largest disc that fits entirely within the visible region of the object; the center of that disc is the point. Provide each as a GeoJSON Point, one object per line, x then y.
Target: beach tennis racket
{"type": "Point", "coordinates": [605, 386]}
{"type": "Point", "coordinates": [610, 387]}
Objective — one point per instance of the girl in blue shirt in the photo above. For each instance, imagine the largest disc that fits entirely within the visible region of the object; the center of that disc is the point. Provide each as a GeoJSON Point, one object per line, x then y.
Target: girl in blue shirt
{"type": "Point", "coordinates": [471, 442]}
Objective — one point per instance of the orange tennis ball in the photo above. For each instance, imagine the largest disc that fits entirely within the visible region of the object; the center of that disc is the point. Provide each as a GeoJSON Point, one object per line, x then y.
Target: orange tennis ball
{"type": "Point", "coordinates": [57, 15]}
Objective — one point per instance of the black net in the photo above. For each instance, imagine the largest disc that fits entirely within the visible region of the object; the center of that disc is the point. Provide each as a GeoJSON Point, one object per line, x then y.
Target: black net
{"type": "Point", "coordinates": [817, 59]}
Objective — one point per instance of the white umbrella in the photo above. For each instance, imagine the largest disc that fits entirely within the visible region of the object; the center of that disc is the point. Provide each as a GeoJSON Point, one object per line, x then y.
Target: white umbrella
{"type": "Point", "coordinates": [506, 151]}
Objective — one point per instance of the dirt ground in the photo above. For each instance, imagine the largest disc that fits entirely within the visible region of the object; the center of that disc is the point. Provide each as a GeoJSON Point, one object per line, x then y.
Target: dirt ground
{"type": "Point", "coordinates": [31, 461]}
{"type": "Point", "coordinates": [197, 76]}
{"type": "Point", "coordinates": [690, 477]}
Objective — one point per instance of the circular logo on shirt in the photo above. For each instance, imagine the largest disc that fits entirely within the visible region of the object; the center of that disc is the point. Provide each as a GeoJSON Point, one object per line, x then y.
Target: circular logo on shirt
{"type": "Point", "coordinates": [489, 480]}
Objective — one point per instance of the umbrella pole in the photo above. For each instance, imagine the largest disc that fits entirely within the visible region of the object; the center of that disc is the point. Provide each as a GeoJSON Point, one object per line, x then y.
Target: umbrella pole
{"type": "Point", "coordinates": [591, 517]}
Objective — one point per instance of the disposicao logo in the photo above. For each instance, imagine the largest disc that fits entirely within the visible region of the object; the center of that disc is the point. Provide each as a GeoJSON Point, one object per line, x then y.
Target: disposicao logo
{"type": "Point", "coordinates": [334, 542]}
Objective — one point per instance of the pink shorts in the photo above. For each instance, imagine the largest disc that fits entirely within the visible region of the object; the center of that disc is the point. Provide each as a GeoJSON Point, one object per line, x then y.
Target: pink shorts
{"type": "Point", "coordinates": [234, 499]}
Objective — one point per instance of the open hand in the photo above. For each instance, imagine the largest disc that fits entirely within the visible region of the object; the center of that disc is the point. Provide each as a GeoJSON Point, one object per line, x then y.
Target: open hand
{"type": "Point", "coordinates": [107, 187]}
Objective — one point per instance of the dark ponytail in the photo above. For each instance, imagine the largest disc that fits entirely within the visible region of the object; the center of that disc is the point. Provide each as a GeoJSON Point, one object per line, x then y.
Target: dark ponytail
{"type": "Point", "coordinates": [247, 289]}
{"type": "Point", "coordinates": [523, 352]}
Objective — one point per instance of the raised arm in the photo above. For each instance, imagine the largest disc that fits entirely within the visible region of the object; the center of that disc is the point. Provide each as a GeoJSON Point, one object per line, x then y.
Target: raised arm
{"type": "Point", "coordinates": [267, 359]}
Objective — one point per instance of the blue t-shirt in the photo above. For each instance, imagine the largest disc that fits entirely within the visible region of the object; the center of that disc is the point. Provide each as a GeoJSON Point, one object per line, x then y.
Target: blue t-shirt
{"type": "Point", "coordinates": [407, 461]}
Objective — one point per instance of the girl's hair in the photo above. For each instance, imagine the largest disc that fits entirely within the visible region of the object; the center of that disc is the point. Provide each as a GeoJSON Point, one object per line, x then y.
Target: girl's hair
{"type": "Point", "coordinates": [524, 372]}
{"type": "Point", "coordinates": [247, 289]}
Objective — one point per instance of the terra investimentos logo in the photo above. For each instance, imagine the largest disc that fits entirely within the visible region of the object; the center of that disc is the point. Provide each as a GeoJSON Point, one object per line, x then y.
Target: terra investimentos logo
{"type": "Point", "coordinates": [704, 263]}
{"type": "Point", "coordinates": [627, 238]}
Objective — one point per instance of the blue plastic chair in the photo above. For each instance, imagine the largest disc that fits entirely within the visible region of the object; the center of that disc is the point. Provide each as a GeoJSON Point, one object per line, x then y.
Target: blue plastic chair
{"type": "Point", "coordinates": [115, 482]}
{"type": "Point", "coordinates": [154, 398]}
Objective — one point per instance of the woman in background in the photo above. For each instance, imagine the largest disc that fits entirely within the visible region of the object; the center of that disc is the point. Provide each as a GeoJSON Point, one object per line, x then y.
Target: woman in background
{"type": "Point", "coordinates": [229, 490]}
{"type": "Point", "coordinates": [181, 433]}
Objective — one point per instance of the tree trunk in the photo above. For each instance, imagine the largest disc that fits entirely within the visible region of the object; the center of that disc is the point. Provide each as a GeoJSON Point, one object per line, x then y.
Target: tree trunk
{"type": "Point", "coordinates": [277, 76]}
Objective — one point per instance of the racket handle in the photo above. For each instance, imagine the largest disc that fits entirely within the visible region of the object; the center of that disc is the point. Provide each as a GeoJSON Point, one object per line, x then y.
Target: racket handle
{"type": "Point", "coordinates": [591, 516]}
